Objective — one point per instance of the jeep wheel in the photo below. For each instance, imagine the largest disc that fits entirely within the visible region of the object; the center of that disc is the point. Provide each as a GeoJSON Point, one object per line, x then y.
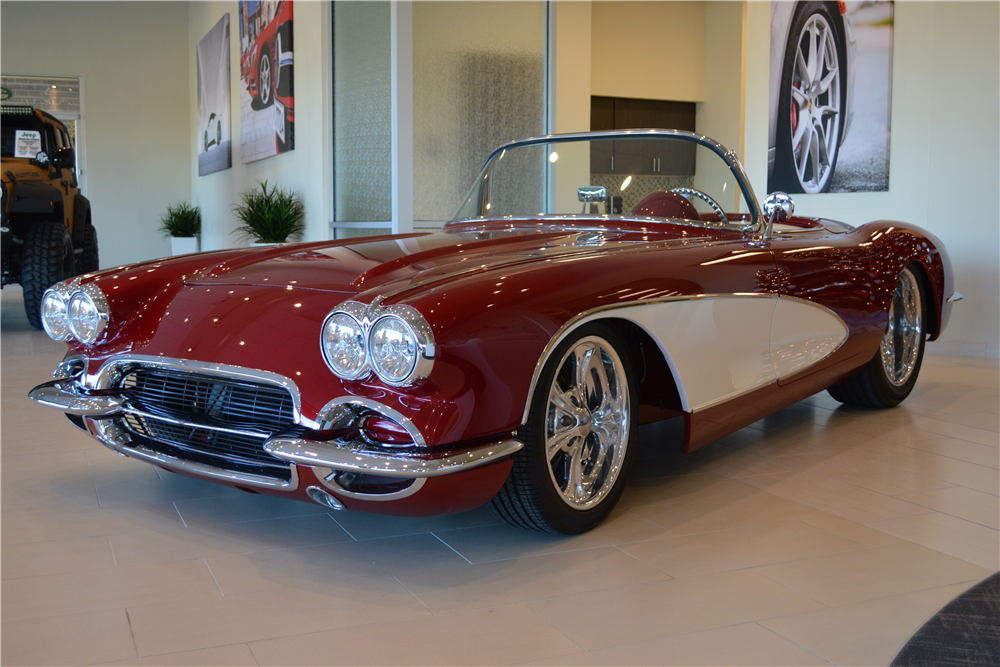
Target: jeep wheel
{"type": "Point", "coordinates": [48, 258]}
{"type": "Point", "coordinates": [89, 258]}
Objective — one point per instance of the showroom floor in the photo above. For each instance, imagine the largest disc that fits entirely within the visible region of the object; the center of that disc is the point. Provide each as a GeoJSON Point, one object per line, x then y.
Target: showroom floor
{"type": "Point", "coordinates": [819, 535]}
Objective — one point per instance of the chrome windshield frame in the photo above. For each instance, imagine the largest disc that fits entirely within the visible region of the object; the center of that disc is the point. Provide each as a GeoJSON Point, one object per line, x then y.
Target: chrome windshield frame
{"type": "Point", "coordinates": [727, 155]}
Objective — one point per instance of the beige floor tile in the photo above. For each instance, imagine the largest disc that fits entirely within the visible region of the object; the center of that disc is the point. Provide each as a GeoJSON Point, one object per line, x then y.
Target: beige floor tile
{"type": "Point", "coordinates": [728, 504]}
{"type": "Point", "coordinates": [165, 488]}
{"type": "Point", "coordinates": [738, 548]}
{"type": "Point", "coordinates": [872, 573]}
{"type": "Point", "coordinates": [972, 542]}
{"type": "Point", "coordinates": [49, 461]}
{"type": "Point", "coordinates": [180, 543]}
{"type": "Point", "coordinates": [73, 639]}
{"type": "Point", "coordinates": [502, 541]}
{"type": "Point", "coordinates": [864, 633]}
{"type": "Point", "coordinates": [46, 524]}
{"type": "Point", "coordinates": [233, 655]}
{"type": "Point", "coordinates": [503, 636]}
{"type": "Point", "coordinates": [957, 501]}
{"type": "Point", "coordinates": [957, 431]}
{"type": "Point", "coordinates": [944, 467]}
{"type": "Point", "coordinates": [192, 625]}
{"type": "Point", "coordinates": [330, 566]}
{"type": "Point", "coordinates": [655, 490]}
{"type": "Point", "coordinates": [851, 530]}
{"type": "Point", "coordinates": [662, 609]}
{"type": "Point", "coordinates": [834, 496]}
{"type": "Point", "coordinates": [363, 526]}
{"type": "Point", "coordinates": [746, 644]}
{"type": "Point", "coordinates": [41, 558]}
{"type": "Point", "coordinates": [458, 588]}
{"type": "Point", "coordinates": [94, 590]}
{"type": "Point", "coordinates": [243, 507]}
{"type": "Point", "coordinates": [870, 475]}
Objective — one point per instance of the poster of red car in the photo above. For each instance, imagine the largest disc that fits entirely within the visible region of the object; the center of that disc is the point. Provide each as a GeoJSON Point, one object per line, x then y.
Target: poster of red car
{"type": "Point", "coordinates": [267, 100]}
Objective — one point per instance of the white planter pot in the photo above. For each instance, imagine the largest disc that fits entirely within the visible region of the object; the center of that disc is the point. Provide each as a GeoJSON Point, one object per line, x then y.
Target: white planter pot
{"type": "Point", "coordinates": [183, 245]}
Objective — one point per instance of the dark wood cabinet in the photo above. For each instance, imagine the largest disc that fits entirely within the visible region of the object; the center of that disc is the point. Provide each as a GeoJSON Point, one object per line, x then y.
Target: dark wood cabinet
{"type": "Point", "coordinates": [619, 113]}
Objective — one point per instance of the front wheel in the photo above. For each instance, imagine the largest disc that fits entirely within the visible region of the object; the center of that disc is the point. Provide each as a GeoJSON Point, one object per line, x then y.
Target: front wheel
{"type": "Point", "coordinates": [579, 437]}
{"type": "Point", "coordinates": [48, 258]}
{"type": "Point", "coordinates": [890, 375]}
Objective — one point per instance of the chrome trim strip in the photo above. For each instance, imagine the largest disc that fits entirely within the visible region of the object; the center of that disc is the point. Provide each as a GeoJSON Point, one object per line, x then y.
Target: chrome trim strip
{"type": "Point", "coordinates": [100, 428]}
{"type": "Point", "coordinates": [564, 330]}
{"type": "Point", "coordinates": [59, 394]}
{"type": "Point", "coordinates": [342, 457]}
{"type": "Point", "coordinates": [128, 409]}
{"type": "Point", "coordinates": [325, 475]}
{"type": "Point", "coordinates": [957, 296]}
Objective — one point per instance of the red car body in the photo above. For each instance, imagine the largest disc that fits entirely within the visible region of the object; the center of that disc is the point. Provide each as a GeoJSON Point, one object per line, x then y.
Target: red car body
{"type": "Point", "coordinates": [499, 296]}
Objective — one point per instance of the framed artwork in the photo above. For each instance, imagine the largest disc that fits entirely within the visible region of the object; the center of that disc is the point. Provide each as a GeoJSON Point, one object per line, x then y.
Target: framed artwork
{"type": "Point", "coordinates": [214, 135]}
{"type": "Point", "coordinates": [267, 100]}
{"type": "Point", "coordinates": [830, 96]}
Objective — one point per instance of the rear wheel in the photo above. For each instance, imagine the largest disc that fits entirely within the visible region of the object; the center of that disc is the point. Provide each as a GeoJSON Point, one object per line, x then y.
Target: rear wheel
{"type": "Point", "coordinates": [890, 375]}
{"type": "Point", "coordinates": [579, 437]}
{"type": "Point", "coordinates": [48, 258]}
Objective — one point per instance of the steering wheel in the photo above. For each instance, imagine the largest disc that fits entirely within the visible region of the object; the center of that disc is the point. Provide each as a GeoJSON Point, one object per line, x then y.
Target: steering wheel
{"type": "Point", "coordinates": [687, 192]}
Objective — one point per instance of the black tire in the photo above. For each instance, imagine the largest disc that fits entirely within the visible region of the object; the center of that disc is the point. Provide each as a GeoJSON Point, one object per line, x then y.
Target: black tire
{"type": "Point", "coordinates": [218, 133]}
{"type": "Point", "coordinates": [90, 257]}
{"type": "Point", "coordinates": [48, 258]}
{"type": "Point", "coordinates": [206, 140]}
{"type": "Point", "coordinates": [785, 176]}
{"type": "Point", "coordinates": [874, 386]}
{"type": "Point", "coordinates": [537, 494]}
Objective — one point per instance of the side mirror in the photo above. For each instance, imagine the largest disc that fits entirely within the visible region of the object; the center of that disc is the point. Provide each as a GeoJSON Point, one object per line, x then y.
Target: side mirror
{"type": "Point", "coordinates": [591, 194]}
{"type": "Point", "coordinates": [64, 158]}
{"type": "Point", "coordinates": [778, 207]}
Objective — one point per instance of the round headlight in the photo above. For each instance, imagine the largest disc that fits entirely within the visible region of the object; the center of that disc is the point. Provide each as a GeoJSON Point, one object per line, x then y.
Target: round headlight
{"type": "Point", "coordinates": [54, 314]}
{"type": "Point", "coordinates": [344, 345]}
{"type": "Point", "coordinates": [393, 349]}
{"type": "Point", "coordinates": [88, 313]}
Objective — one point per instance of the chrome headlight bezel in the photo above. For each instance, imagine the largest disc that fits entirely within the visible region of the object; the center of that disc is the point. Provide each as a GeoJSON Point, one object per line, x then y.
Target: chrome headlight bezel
{"type": "Point", "coordinates": [331, 363]}
{"type": "Point", "coordinates": [57, 297]}
{"type": "Point", "coordinates": [368, 317]}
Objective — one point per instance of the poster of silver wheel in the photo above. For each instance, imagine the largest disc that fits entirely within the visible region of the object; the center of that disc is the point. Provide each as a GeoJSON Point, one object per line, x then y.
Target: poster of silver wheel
{"type": "Point", "coordinates": [830, 96]}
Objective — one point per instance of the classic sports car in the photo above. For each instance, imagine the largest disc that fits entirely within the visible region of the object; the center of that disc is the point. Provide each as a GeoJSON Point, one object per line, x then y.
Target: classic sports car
{"type": "Point", "coordinates": [813, 50]}
{"type": "Point", "coordinates": [270, 57]}
{"type": "Point", "coordinates": [588, 284]}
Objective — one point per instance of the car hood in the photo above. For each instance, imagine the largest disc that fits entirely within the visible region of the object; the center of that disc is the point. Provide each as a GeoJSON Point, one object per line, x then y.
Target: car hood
{"type": "Point", "coordinates": [400, 261]}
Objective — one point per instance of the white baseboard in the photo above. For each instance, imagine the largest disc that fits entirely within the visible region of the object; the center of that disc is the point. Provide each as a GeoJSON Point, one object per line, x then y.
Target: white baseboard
{"type": "Point", "coordinates": [982, 350]}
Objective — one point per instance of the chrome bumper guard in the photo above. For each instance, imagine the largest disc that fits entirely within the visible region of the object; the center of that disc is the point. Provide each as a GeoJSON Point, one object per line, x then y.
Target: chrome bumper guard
{"type": "Point", "coordinates": [68, 396]}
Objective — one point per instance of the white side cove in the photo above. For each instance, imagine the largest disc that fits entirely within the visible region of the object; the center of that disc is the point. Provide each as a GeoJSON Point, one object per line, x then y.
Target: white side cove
{"type": "Point", "coordinates": [720, 347]}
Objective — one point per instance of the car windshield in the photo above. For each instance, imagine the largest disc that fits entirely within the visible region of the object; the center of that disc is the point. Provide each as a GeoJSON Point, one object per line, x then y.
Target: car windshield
{"type": "Point", "coordinates": [633, 174]}
{"type": "Point", "coordinates": [21, 136]}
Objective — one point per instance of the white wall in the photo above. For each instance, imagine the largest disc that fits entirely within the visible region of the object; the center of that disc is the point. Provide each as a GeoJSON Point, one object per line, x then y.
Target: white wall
{"type": "Point", "coordinates": [306, 168]}
{"type": "Point", "coordinates": [944, 168]}
{"type": "Point", "coordinates": [648, 50]}
{"type": "Point", "coordinates": [136, 102]}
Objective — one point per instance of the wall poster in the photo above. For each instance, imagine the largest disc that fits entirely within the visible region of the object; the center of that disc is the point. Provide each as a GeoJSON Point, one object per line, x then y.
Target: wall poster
{"type": "Point", "coordinates": [215, 146]}
{"type": "Point", "coordinates": [267, 102]}
{"type": "Point", "coordinates": [830, 97]}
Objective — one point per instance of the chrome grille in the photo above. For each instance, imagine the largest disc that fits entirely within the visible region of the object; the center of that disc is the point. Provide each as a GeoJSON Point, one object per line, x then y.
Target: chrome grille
{"type": "Point", "coordinates": [215, 420]}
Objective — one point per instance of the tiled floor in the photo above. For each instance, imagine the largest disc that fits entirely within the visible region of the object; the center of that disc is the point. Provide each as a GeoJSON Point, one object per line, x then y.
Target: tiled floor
{"type": "Point", "coordinates": [819, 535]}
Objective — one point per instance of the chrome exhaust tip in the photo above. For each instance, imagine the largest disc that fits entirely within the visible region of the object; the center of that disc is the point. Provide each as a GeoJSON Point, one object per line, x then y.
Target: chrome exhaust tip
{"type": "Point", "coordinates": [324, 498]}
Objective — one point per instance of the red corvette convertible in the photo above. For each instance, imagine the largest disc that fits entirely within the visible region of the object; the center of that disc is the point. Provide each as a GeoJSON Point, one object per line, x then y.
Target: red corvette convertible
{"type": "Point", "coordinates": [588, 284]}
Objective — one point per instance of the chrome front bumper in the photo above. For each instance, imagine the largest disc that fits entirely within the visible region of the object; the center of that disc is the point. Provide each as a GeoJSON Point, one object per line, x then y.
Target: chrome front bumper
{"type": "Point", "coordinates": [101, 407]}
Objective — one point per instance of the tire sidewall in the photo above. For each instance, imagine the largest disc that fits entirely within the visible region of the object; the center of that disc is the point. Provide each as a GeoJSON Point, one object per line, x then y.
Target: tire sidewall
{"type": "Point", "coordinates": [889, 393]}
{"type": "Point", "coordinates": [556, 512]}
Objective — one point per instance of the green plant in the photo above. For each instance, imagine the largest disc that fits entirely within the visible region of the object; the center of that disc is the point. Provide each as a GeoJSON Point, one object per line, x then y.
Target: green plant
{"type": "Point", "coordinates": [181, 220]}
{"type": "Point", "coordinates": [269, 215]}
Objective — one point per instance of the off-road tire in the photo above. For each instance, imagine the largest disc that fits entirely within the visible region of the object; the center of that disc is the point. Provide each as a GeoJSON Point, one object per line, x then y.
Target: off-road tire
{"type": "Point", "coordinates": [529, 497]}
{"type": "Point", "coordinates": [89, 260]}
{"type": "Point", "coordinates": [48, 258]}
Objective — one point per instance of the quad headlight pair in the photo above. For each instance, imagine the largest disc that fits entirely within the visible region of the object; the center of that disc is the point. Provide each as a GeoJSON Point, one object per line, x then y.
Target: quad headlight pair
{"type": "Point", "coordinates": [395, 342]}
{"type": "Point", "coordinates": [69, 311]}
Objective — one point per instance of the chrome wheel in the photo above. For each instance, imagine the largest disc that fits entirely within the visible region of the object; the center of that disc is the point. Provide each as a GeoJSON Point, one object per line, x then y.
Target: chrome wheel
{"type": "Point", "coordinates": [264, 79]}
{"type": "Point", "coordinates": [587, 423]}
{"type": "Point", "coordinates": [816, 101]}
{"type": "Point", "coordinates": [900, 347]}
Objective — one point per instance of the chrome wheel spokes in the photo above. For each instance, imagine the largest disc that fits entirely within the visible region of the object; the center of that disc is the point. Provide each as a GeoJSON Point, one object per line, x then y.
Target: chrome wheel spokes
{"type": "Point", "coordinates": [900, 347]}
{"type": "Point", "coordinates": [587, 422]}
{"type": "Point", "coordinates": [816, 92]}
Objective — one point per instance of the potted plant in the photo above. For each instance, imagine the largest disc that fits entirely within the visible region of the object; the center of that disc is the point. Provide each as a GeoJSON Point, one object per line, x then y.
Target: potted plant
{"type": "Point", "coordinates": [182, 223]}
{"type": "Point", "coordinates": [269, 214]}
